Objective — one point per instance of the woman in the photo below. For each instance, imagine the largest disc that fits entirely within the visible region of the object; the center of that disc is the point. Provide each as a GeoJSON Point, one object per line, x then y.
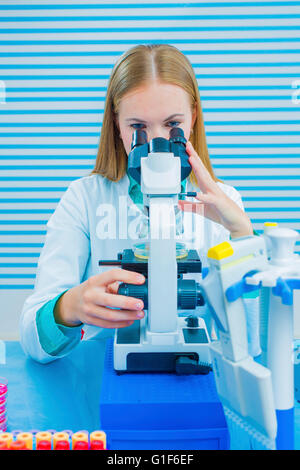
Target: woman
{"type": "Point", "coordinates": [153, 88]}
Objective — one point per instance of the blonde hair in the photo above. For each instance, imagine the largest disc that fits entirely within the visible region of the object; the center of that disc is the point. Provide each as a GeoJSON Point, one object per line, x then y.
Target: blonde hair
{"type": "Point", "coordinates": [136, 67]}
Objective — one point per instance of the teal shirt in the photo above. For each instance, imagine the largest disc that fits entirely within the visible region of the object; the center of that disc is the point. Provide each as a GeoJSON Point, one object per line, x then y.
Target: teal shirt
{"type": "Point", "coordinates": [55, 339]}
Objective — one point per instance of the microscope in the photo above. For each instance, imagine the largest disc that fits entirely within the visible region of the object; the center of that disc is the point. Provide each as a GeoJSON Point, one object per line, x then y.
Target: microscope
{"type": "Point", "coordinates": [163, 341]}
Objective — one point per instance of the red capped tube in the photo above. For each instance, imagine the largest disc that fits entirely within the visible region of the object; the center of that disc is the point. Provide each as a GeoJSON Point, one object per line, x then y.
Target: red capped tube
{"type": "Point", "coordinates": [62, 445]}
{"type": "Point", "coordinates": [81, 445]}
{"type": "Point", "coordinates": [18, 445]}
{"type": "Point", "coordinates": [43, 445]}
{"type": "Point", "coordinates": [97, 445]}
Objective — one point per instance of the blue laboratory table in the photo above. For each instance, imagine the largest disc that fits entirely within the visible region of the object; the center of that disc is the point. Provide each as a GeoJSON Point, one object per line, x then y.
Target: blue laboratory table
{"type": "Point", "coordinates": [64, 394]}
{"type": "Point", "coordinates": [61, 395]}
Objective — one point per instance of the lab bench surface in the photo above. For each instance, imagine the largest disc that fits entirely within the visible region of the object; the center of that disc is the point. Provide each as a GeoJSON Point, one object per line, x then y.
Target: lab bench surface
{"type": "Point", "coordinates": [63, 394]}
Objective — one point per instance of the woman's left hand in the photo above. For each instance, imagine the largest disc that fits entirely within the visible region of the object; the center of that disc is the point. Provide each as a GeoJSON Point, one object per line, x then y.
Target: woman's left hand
{"type": "Point", "coordinates": [213, 202]}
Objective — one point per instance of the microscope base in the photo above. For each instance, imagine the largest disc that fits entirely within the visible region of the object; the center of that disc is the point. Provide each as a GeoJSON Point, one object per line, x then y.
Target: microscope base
{"type": "Point", "coordinates": [185, 352]}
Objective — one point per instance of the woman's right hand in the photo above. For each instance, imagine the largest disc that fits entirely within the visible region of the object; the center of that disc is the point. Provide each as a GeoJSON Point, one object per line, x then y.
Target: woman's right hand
{"type": "Point", "coordinates": [96, 301]}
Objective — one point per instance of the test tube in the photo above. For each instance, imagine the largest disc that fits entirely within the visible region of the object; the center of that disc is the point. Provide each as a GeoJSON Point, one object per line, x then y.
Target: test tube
{"type": "Point", "coordinates": [79, 436]}
{"type": "Point", "coordinates": [27, 438]}
{"type": "Point", "coordinates": [59, 436]}
{"type": "Point", "coordinates": [43, 436]}
{"type": "Point", "coordinates": [98, 436]}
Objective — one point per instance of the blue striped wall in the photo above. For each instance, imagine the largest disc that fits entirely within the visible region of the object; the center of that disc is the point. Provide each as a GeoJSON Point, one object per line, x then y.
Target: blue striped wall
{"type": "Point", "coordinates": [55, 60]}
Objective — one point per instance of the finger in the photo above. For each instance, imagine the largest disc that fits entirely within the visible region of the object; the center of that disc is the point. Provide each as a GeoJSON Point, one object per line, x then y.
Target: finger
{"type": "Point", "coordinates": [114, 315]}
{"type": "Point", "coordinates": [190, 149]}
{"type": "Point", "coordinates": [202, 174]}
{"type": "Point", "coordinates": [188, 206]}
{"type": "Point", "coordinates": [116, 301]}
{"type": "Point", "coordinates": [118, 274]}
{"type": "Point", "coordinates": [108, 324]}
{"type": "Point", "coordinates": [206, 210]}
{"type": "Point", "coordinates": [194, 155]}
{"type": "Point", "coordinates": [113, 288]}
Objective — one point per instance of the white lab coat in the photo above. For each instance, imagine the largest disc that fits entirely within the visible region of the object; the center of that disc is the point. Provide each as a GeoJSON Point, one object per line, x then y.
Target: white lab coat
{"type": "Point", "coordinates": [78, 237]}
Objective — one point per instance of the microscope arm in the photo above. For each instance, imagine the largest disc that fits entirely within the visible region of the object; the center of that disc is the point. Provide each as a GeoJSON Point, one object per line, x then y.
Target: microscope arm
{"type": "Point", "coordinates": [162, 266]}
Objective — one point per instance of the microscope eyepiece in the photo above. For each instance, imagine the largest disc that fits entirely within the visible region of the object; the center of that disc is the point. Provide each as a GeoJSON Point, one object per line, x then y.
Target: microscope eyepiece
{"type": "Point", "coordinates": [139, 137]}
{"type": "Point", "coordinates": [141, 148]}
{"type": "Point", "coordinates": [177, 136]}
